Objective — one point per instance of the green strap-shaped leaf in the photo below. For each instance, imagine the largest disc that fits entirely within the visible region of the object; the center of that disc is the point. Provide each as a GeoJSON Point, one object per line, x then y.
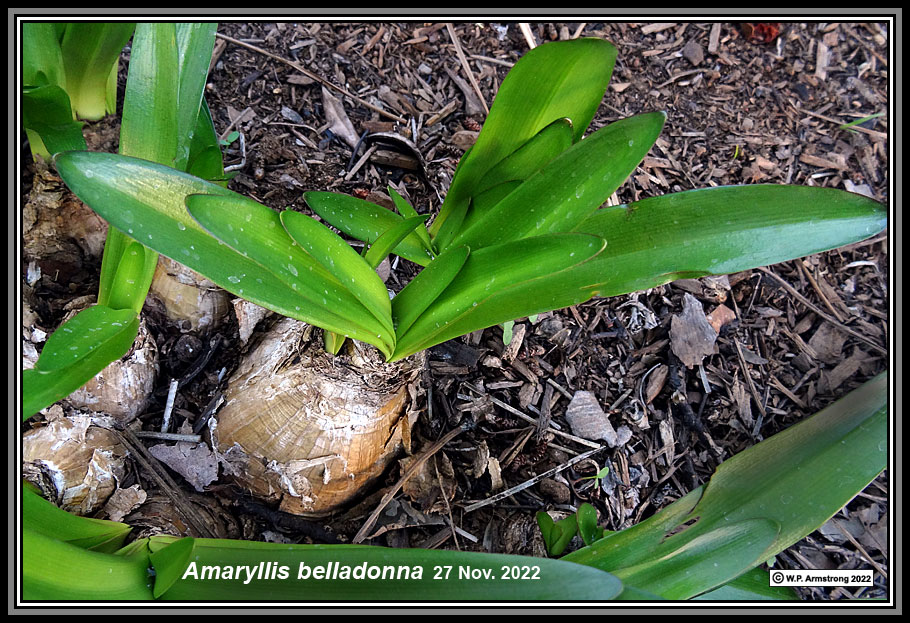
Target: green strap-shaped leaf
{"type": "Point", "coordinates": [407, 211]}
{"type": "Point", "coordinates": [198, 569]}
{"type": "Point", "coordinates": [56, 571]}
{"type": "Point", "coordinates": [89, 51]}
{"type": "Point", "coordinates": [389, 239]}
{"type": "Point", "coordinates": [422, 290]}
{"type": "Point", "coordinates": [124, 293]}
{"type": "Point", "coordinates": [77, 351]}
{"type": "Point", "coordinates": [98, 535]}
{"type": "Point", "coordinates": [795, 481]}
{"type": "Point", "coordinates": [337, 257]}
{"type": "Point", "coordinates": [564, 79]}
{"type": "Point", "coordinates": [256, 232]}
{"type": "Point", "coordinates": [194, 43]}
{"type": "Point", "coordinates": [559, 196]}
{"type": "Point", "coordinates": [148, 128]}
{"type": "Point", "coordinates": [754, 585]}
{"type": "Point", "coordinates": [205, 159]}
{"type": "Point", "coordinates": [679, 571]}
{"type": "Point", "coordinates": [47, 116]}
{"type": "Point", "coordinates": [364, 221]}
{"type": "Point", "coordinates": [484, 202]}
{"type": "Point", "coordinates": [42, 59]}
{"type": "Point", "coordinates": [530, 157]}
{"type": "Point", "coordinates": [501, 283]}
{"type": "Point", "coordinates": [147, 201]}
{"type": "Point", "coordinates": [721, 230]}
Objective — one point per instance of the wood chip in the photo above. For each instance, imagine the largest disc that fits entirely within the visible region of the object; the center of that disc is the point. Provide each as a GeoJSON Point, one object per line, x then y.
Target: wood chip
{"type": "Point", "coordinates": [821, 61]}
{"type": "Point", "coordinates": [692, 338]}
{"type": "Point", "coordinates": [650, 29]}
{"type": "Point", "coordinates": [464, 139]}
{"type": "Point", "coordinates": [828, 343]}
{"type": "Point", "coordinates": [693, 53]}
{"type": "Point", "coordinates": [720, 317]}
{"type": "Point", "coordinates": [588, 420]}
{"type": "Point", "coordinates": [823, 163]}
{"type": "Point", "coordinates": [714, 38]}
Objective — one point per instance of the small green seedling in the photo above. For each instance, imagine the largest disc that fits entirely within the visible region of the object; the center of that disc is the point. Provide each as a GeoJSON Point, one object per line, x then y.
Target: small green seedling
{"type": "Point", "coordinates": [556, 534]}
{"type": "Point", "coordinates": [588, 529]}
{"type": "Point", "coordinates": [229, 139]}
{"type": "Point", "coordinates": [849, 126]}
{"type": "Point", "coordinates": [599, 476]}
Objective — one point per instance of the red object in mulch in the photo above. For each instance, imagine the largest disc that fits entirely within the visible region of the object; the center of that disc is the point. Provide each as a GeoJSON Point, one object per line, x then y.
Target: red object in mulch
{"type": "Point", "coordinates": [763, 32]}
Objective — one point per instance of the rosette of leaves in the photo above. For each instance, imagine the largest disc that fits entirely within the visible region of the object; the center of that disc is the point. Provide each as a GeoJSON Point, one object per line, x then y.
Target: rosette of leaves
{"type": "Point", "coordinates": [522, 230]}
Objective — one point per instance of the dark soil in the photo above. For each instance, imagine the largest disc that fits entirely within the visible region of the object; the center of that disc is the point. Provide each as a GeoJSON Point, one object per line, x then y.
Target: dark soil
{"type": "Point", "coordinates": [744, 106]}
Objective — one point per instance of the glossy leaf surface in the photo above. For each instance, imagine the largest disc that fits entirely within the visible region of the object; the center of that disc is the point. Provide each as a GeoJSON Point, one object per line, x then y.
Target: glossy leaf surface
{"type": "Point", "coordinates": [256, 232]}
{"type": "Point", "coordinates": [720, 230]}
{"type": "Point", "coordinates": [554, 81]}
{"type": "Point", "coordinates": [98, 535]}
{"type": "Point", "coordinates": [343, 262]}
{"type": "Point", "coordinates": [564, 192]}
{"type": "Point", "coordinates": [54, 570]}
{"type": "Point", "coordinates": [790, 484]}
{"type": "Point", "coordinates": [77, 351]}
{"type": "Point", "coordinates": [364, 221]}
{"type": "Point", "coordinates": [147, 201]}
{"type": "Point", "coordinates": [422, 290]}
{"type": "Point", "coordinates": [501, 283]}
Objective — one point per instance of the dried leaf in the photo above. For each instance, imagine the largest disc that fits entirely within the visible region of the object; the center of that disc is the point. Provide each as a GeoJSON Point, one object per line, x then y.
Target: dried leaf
{"type": "Point", "coordinates": [341, 125]}
{"type": "Point", "coordinates": [194, 461]}
{"type": "Point", "coordinates": [123, 502]}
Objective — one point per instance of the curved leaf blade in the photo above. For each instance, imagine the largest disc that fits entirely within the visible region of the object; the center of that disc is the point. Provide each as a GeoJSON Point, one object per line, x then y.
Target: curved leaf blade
{"type": "Point", "coordinates": [721, 230]}
{"type": "Point", "coordinates": [256, 232]}
{"type": "Point", "coordinates": [195, 42]}
{"type": "Point", "coordinates": [41, 516]}
{"type": "Point", "coordinates": [563, 79]}
{"type": "Point", "coordinates": [680, 571]}
{"type": "Point", "coordinates": [149, 123]}
{"type": "Point", "coordinates": [131, 279]}
{"type": "Point", "coordinates": [422, 290]}
{"type": "Point", "coordinates": [501, 283]}
{"type": "Point", "coordinates": [406, 210]}
{"type": "Point", "coordinates": [364, 221]}
{"type": "Point", "coordinates": [530, 157]}
{"type": "Point", "coordinates": [46, 112]}
{"type": "Point", "coordinates": [827, 458]}
{"type": "Point", "coordinates": [562, 194]}
{"type": "Point", "coordinates": [389, 239]}
{"type": "Point", "coordinates": [342, 261]}
{"type": "Point", "coordinates": [147, 201]}
{"type": "Point", "coordinates": [56, 571]}
{"type": "Point", "coordinates": [753, 585]}
{"type": "Point", "coordinates": [77, 351]}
